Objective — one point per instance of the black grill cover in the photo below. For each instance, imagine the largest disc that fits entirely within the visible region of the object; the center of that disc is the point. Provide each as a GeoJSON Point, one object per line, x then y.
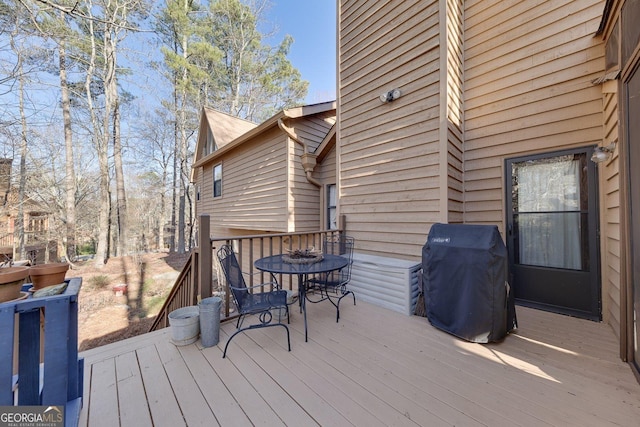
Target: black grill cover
{"type": "Point", "coordinates": [465, 285]}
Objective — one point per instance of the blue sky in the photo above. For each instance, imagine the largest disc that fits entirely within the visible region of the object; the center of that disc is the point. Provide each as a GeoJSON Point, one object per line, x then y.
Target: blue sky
{"type": "Point", "coordinates": [312, 24]}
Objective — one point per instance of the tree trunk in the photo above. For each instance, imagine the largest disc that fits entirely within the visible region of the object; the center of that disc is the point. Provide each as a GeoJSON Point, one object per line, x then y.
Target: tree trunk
{"type": "Point", "coordinates": [181, 211]}
{"type": "Point", "coordinates": [103, 214]}
{"type": "Point", "coordinates": [105, 193]}
{"type": "Point", "coordinates": [163, 208]}
{"type": "Point", "coordinates": [68, 242]}
{"type": "Point", "coordinates": [103, 159]}
{"type": "Point", "coordinates": [174, 187]}
{"type": "Point", "coordinates": [121, 205]}
{"type": "Point", "coordinates": [182, 123]}
{"type": "Point", "coordinates": [19, 222]}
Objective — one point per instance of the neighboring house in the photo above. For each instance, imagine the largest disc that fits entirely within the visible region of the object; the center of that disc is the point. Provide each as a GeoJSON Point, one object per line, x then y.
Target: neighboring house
{"type": "Point", "coordinates": [482, 112]}
{"type": "Point", "coordinates": [37, 240]}
{"type": "Point", "coordinates": [272, 177]}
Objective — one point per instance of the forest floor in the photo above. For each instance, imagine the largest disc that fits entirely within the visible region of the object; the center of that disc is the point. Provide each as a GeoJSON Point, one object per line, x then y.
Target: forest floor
{"type": "Point", "coordinates": [106, 315]}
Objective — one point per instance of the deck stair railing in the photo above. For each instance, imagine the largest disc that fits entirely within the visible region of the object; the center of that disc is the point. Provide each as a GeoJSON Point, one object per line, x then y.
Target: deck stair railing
{"type": "Point", "coordinates": [183, 293]}
{"type": "Point", "coordinates": [201, 277]}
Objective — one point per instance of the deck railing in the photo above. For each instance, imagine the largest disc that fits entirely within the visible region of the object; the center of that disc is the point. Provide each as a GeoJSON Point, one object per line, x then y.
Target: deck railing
{"type": "Point", "coordinates": [202, 277]}
{"type": "Point", "coordinates": [183, 293]}
{"type": "Point", "coordinates": [251, 248]}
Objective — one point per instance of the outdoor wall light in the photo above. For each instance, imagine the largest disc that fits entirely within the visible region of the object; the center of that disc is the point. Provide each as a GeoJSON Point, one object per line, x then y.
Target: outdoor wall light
{"type": "Point", "coordinates": [602, 154]}
{"type": "Point", "coordinates": [392, 95]}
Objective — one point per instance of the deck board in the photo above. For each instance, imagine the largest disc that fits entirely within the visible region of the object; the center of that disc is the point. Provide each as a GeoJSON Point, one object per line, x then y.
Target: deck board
{"type": "Point", "coordinates": [315, 371]}
{"type": "Point", "coordinates": [282, 379]}
{"type": "Point", "coordinates": [164, 411]}
{"type": "Point", "coordinates": [104, 391]}
{"type": "Point", "coordinates": [375, 367]}
{"type": "Point", "coordinates": [366, 392]}
{"type": "Point", "coordinates": [494, 377]}
{"type": "Point", "coordinates": [226, 410]}
{"type": "Point", "coordinates": [132, 399]}
{"type": "Point", "coordinates": [194, 407]}
{"type": "Point", "coordinates": [457, 388]}
{"type": "Point", "coordinates": [395, 369]}
{"type": "Point", "coordinates": [257, 411]}
{"type": "Point", "coordinates": [264, 391]}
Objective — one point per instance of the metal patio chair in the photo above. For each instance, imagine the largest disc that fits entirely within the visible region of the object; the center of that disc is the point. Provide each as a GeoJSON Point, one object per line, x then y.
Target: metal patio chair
{"type": "Point", "coordinates": [248, 301]}
{"type": "Point", "coordinates": [332, 286]}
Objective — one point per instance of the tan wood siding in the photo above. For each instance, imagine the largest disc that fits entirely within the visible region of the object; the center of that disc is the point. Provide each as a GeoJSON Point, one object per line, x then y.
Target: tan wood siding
{"type": "Point", "coordinates": [254, 183]}
{"type": "Point", "coordinates": [199, 182]}
{"type": "Point", "coordinates": [325, 172]}
{"type": "Point", "coordinates": [528, 73]}
{"type": "Point", "coordinates": [455, 111]}
{"type": "Point", "coordinates": [303, 196]}
{"type": "Point", "coordinates": [455, 181]}
{"type": "Point", "coordinates": [528, 80]}
{"type": "Point", "coordinates": [610, 208]}
{"type": "Point", "coordinates": [389, 153]}
{"type": "Point", "coordinates": [311, 130]}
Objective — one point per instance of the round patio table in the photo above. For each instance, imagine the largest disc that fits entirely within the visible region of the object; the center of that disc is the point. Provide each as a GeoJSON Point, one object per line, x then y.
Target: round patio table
{"type": "Point", "coordinates": [275, 264]}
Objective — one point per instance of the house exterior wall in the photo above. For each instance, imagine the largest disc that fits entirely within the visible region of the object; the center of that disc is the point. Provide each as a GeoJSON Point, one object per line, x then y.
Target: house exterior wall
{"type": "Point", "coordinates": [528, 73]}
{"type": "Point", "coordinates": [523, 85]}
{"type": "Point", "coordinates": [528, 89]}
{"type": "Point", "coordinates": [401, 166]}
{"type": "Point", "coordinates": [610, 217]}
{"type": "Point", "coordinates": [620, 35]}
{"type": "Point", "coordinates": [453, 33]}
{"type": "Point", "coordinates": [264, 187]}
{"type": "Point", "coordinates": [326, 173]}
{"type": "Point", "coordinates": [326, 169]}
{"type": "Point", "coordinates": [254, 186]}
{"type": "Point", "coordinates": [312, 129]}
{"type": "Point", "coordinates": [304, 197]}
{"type": "Point", "coordinates": [389, 153]}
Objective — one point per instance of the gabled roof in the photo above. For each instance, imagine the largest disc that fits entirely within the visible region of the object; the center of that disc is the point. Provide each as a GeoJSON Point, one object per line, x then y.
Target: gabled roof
{"type": "Point", "coordinates": [224, 127]}
{"type": "Point", "coordinates": [290, 113]}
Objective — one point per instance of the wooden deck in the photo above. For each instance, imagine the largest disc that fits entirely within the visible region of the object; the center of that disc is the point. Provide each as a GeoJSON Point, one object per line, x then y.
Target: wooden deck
{"type": "Point", "coordinates": [375, 367]}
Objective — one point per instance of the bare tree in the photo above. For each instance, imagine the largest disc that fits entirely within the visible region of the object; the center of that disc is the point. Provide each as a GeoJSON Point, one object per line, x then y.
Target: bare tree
{"type": "Point", "coordinates": [156, 148]}
{"type": "Point", "coordinates": [113, 24]}
{"type": "Point", "coordinates": [178, 26]}
{"type": "Point", "coordinates": [100, 143]}
{"type": "Point", "coordinates": [214, 55]}
{"type": "Point", "coordinates": [68, 242]}
{"type": "Point", "coordinates": [19, 251]}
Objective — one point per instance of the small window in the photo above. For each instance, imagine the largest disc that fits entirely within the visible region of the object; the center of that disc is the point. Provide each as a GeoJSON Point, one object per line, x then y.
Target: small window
{"type": "Point", "coordinates": [611, 51]}
{"type": "Point", "coordinates": [210, 144]}
{"type": "Point", "coordinates": [217, 181]}
{"type": "Point", "coordinates": [332, 218]}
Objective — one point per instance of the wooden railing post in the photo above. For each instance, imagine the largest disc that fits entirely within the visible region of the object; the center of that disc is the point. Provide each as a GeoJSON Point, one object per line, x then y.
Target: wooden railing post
{"type": "Point", "coordinates": [342, 223]}
{"type": "Point", "coordinates": [342, 226]}
{"type": "Point", "coordinates": [205, 264]}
